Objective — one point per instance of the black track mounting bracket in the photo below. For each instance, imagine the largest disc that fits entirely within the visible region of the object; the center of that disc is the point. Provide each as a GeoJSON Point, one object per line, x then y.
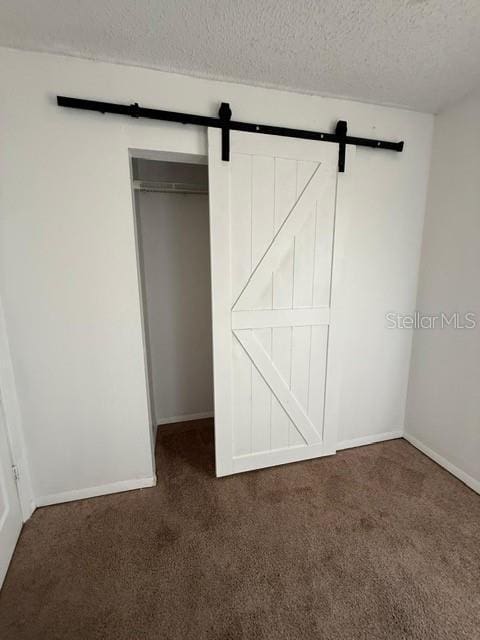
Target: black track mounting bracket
{"type": "Point", "coordinates": [225, 115]}
{"type": "Point", "coordinates": [341, 132]}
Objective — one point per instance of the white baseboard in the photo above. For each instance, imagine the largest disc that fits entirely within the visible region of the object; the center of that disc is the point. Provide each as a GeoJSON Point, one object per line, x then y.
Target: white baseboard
{"type": "Point", "coordinates": [185, 418]}
{"type": "Point", "coordinates": [92, 492]}
{"type": "Point", "coordinates": [377, 437]}
{"type": "Point", "coordinates": [443, 462]}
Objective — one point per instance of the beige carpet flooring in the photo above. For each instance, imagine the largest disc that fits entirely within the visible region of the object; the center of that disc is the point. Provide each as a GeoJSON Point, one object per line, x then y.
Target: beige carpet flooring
{"type": "Point", "coordinates": [375, 543]}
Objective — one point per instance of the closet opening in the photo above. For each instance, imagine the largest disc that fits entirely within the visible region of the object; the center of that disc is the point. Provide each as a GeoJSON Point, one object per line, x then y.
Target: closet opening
{"type": "Point", "coordinates": [170, 194]}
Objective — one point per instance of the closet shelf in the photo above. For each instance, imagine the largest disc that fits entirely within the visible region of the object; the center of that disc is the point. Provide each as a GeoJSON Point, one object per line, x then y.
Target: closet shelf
{"type": "Point", "coordinates": [168, 187]}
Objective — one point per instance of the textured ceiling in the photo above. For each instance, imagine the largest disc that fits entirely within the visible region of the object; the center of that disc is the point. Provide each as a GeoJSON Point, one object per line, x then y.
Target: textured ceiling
{"type": "Point", "coordinates": [421, 54]}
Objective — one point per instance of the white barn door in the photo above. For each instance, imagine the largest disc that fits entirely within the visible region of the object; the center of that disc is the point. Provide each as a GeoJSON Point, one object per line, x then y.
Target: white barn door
{"type": "Point", "coordinates": [272, 217]}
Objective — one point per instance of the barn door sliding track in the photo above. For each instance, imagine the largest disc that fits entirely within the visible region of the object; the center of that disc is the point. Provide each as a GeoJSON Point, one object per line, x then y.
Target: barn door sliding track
{"type": "Point", "coordinates": [226, 124]}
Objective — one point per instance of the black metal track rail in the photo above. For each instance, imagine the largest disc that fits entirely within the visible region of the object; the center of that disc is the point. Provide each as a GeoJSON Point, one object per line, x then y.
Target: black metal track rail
{"type": "Point", "coordinates": [225, 123]}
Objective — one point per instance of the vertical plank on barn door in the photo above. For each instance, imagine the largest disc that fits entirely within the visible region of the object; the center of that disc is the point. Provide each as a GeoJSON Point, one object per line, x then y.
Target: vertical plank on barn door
{"type": "Point", "coordinates": [304, 256]}
{"type": "Point", "coordinates": [263, 186]}
{"type": "Point", "coordinates": [321, 297]}
{"type": "Point", "coordinates": [241, 261]}
{"type": "Point", "coordinates": [278, 332]}
{"type": "Point", "coordinates": [285, 197]}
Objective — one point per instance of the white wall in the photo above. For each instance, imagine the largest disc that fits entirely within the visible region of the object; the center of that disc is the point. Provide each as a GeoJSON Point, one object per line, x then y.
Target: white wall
{"type": "Point", "coordinates": [68, 273]}
{"type": "Point", "coordinates": [443, 409]}
{"type": "Point", "coordinates": [174, 237]}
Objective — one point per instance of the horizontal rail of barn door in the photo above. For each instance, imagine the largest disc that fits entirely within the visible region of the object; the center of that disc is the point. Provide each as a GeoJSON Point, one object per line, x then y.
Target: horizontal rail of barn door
{"type": "Point", "coordinates": [226, 124]}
